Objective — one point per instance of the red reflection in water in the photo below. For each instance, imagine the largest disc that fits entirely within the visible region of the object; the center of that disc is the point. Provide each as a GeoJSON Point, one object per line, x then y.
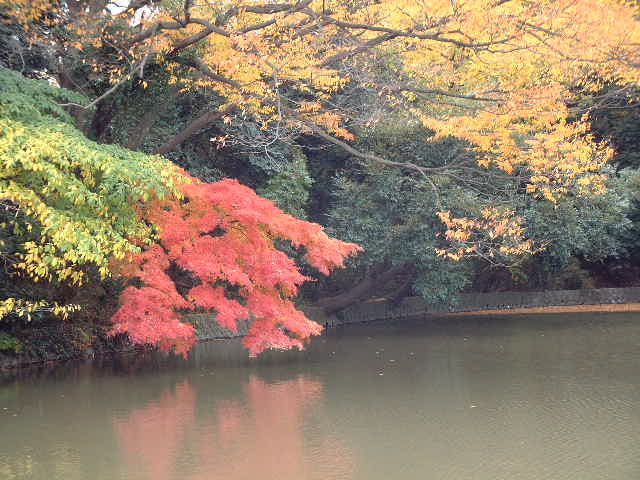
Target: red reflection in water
{"type": "Point", "coordinates": [151, 436]}
{"type": "Point", "coordinates": [260, 435]}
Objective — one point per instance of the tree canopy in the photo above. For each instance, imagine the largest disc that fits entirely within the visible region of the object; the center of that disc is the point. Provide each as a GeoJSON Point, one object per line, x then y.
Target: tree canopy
{"type": "Point", "coordinates": [224, 236]}
{"type": "Point", "coordinates": [502, 75]}
{"type": "Point", "coordinates": [70, 201]}
{"type": "Point", "coordinates": [463, 128]}
{"type": "Point", "coordinates": [73, 204]}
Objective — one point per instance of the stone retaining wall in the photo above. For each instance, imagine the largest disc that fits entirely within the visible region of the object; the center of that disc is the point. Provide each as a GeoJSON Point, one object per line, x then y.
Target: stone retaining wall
{"type": "Point", "coordinates": [415, 307]}
{"type": "Point", "coordinates": [470, 302]}
{"type": "Point", "coordinates": [208, 329]}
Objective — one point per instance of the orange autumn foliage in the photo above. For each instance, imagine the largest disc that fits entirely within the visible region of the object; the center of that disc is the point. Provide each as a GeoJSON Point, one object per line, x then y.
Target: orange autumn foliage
{"type": "Point", "coordinates": [499, 74]}
{"type": "Point", "coordinates": [513, 78]}
{"type": "Point", "coordinates": [223, 234]}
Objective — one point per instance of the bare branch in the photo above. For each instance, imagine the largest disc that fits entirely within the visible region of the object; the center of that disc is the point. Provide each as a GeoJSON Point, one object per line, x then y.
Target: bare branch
{"type": "Point", "coordinates": [437, 91]}
{"type": "Point", "coordinates": [108, 92]}
{"type": "Point", "coordinates": [355, 152]}
{"type": "Point", "coordinates": [414, 33]}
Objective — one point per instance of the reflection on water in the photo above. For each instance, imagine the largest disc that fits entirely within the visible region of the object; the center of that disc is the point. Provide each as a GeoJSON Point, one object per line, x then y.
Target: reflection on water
{"type": "Point", "coordinates": [153, 417]}
{"type": "Point", "coordinates": [547, 397]}
{"type": "Point", "coordinates": [256, 435]}
{"type": "Point", "coordinates": [151, 437]}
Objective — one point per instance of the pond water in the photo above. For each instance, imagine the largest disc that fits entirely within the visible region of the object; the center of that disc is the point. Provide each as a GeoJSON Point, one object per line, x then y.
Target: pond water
{"type": "Point", "coordinates": [527, 397]}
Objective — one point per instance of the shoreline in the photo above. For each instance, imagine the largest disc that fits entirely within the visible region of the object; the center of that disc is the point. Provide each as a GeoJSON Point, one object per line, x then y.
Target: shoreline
{"type": "Point", "coordinates": [497, 303]}
{"type": "Point", "coordinates": [601, 307]}
{"type": "Point", "coordinates": [575, 301]}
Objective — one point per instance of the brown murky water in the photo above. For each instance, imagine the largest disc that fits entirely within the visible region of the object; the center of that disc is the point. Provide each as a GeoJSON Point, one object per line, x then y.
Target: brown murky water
{"type": "Point", "coordinates": [529, 397]}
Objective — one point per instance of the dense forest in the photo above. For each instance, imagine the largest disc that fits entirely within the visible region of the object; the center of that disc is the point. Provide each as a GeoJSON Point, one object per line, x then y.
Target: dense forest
{"type": "Point", "coordinates": [163, 156]}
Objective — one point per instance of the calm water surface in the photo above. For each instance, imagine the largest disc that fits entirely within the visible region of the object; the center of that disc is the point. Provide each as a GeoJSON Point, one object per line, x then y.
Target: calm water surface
{"type": "Point", "coordinates": [538, 397]}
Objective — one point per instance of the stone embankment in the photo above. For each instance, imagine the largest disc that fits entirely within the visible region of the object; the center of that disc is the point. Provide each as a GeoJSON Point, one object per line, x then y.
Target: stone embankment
{"type": "Point", "coordinates": [604, 299]}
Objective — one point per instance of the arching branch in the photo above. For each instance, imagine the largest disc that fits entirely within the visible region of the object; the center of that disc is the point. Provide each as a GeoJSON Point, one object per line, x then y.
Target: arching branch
{"type": "Point", "coordinates": [194, 127]}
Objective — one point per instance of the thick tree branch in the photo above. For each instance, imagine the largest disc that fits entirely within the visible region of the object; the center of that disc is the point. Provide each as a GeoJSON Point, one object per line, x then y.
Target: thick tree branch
{"type": "Point", "coordinates": [154, 29]}
{"type": "Point", "coordinates": [437, 91]}
{"type": "Point", "coordinates": [215, 27]}
{"type": "Point", "coordinates": [187, 11]}
{"type": "Point", "coordinates": [415, 32]}
{"type": "Point", "coordinates": [364, 288]}
{"type": "Point", "coordinates": [355, 152]}
{"type": "Point", "coordinates": [195, 126]}
{"type": "Point", "coordinates": [208, 29]}
{"type": "Point", "coordinates": [262, 9]}
{"type": "Point", "coordinates": [149, 119]}
{"type": "Point", "coordinates": [258, 26]}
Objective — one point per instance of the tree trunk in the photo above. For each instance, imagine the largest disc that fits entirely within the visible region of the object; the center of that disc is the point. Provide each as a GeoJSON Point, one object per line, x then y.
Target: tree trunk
{"type": "Point", "coordinates": [149, 119]}
{"type": "Point", "coordinates": [101, 120]}
{"type": "Point", "coordinates": [405, 288]}
{"type": "Point", "coordinates": [362, 290]}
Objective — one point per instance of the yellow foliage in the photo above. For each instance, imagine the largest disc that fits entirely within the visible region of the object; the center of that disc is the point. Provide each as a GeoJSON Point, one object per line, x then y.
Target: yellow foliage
{"type": "Point", "coordinates": [26, 308]}
{"type": "Point", "coordinates": [525, 55]}
{"type": "Point", "coordinates": [496, 73]}
{"type": "Point", "coordinates": [498, 236]}
{"type": "Point", "coordinates": [67, 202]}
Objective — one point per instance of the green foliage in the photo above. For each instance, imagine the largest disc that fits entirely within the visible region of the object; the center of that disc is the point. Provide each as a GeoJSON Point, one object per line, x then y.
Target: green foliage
{"type": "Point", "coordinates": [580, 236]}
{"type": "Point", "coordinates": [9, 342]}
{"type": "Point", "coordinates": [392, 215]}
{"type": "Point", "coordinates": [77, 195]}
{"type": "Point", "coordinates": [620, 125]}
{"type": "Point", "coordinates": [592, 227]}
{"type": "Point", "coordinates": [627, 181]}
{"type": "Point", "coordinates": [68, 202]}
{"type": "Point", "coordinates": [289, 187]}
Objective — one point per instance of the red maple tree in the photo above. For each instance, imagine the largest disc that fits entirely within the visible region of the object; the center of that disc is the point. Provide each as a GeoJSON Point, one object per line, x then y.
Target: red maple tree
{"type": "Point", "coordinates": [223, 233]}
